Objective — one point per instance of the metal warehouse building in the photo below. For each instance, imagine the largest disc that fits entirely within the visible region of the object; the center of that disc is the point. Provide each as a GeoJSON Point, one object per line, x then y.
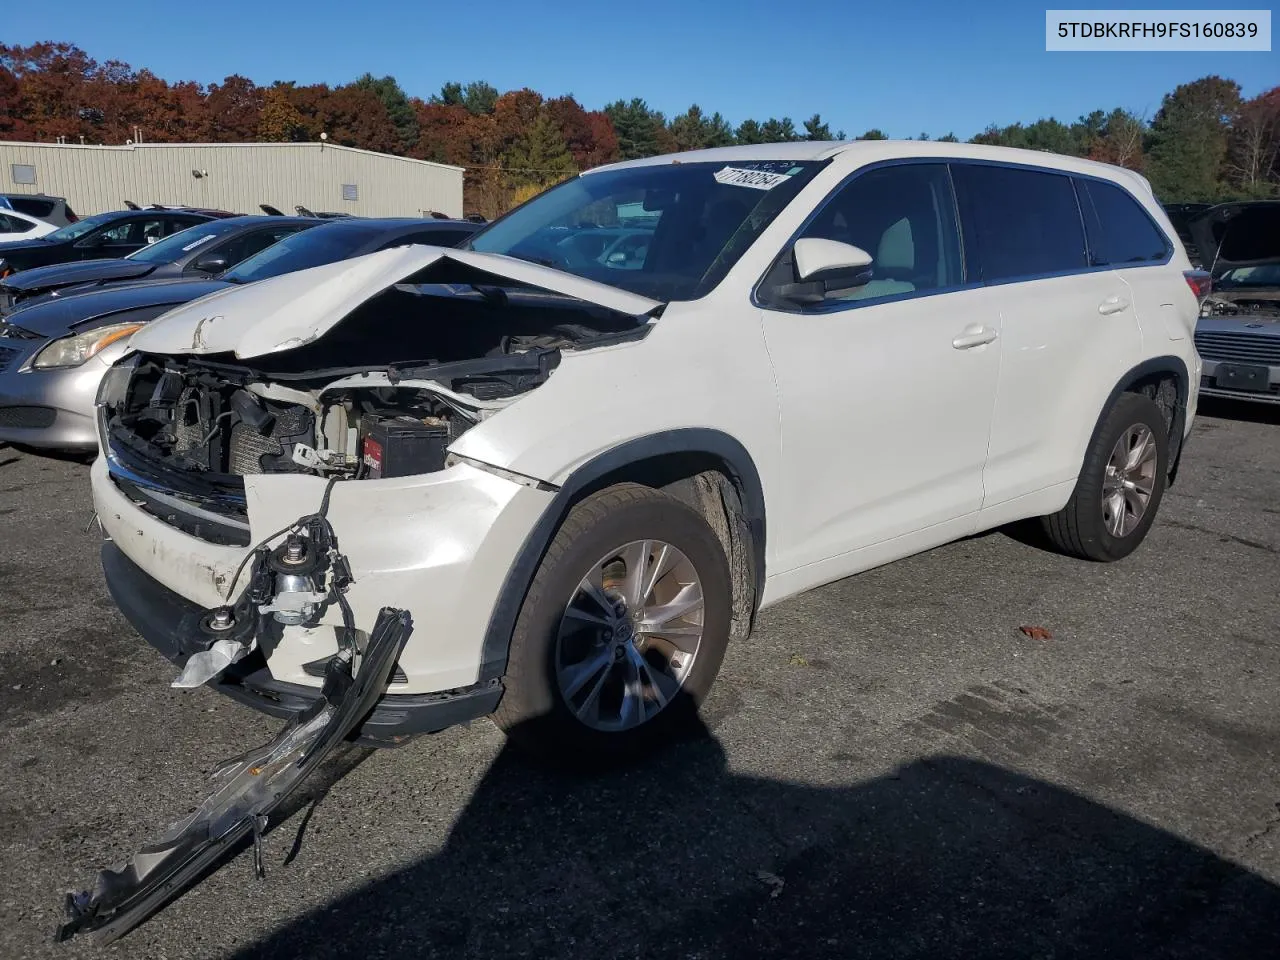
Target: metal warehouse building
{"type": "Point", "coordinates": [232, 176]}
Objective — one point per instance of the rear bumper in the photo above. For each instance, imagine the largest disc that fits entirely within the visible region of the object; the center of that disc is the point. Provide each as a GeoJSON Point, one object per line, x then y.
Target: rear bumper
{"type": "Point", "coordinates": [170, 624]}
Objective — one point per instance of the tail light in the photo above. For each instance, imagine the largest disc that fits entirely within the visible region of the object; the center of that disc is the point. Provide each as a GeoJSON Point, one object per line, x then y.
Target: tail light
{"type": "Point", "coordinates": [1200, 282]}
{"type": "Point", "coordinates": [71, 217]}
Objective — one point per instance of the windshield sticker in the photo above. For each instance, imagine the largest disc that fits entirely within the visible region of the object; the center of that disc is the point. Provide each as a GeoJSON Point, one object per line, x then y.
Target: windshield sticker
{"type": "Point", "coordinates": [195, 243]}
{"type": "Point", "coordinates": [755, 179]}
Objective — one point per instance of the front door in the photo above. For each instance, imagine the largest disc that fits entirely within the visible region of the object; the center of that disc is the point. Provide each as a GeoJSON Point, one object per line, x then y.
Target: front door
{"type": "Point", "coordinates": [886, 390]}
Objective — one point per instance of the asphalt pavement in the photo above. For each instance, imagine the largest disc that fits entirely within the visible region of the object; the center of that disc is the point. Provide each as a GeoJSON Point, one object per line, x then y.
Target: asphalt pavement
{"type": "Point", "coordinates": [891, 768]}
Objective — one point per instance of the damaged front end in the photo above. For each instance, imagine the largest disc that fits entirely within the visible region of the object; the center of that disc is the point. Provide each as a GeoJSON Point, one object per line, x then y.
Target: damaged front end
{"type": "Point", "coordinates": [245, 792]}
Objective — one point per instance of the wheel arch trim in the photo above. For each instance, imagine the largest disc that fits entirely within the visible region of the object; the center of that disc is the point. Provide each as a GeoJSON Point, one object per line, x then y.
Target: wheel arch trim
{"type": "Point", "coordinates": [695, 441]}
{"type": "Point", "coordinates": [1168, 364]}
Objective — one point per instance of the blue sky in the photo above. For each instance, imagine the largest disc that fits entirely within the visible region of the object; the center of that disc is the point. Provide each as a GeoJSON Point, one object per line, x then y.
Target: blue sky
{"type": "Point", "coordinates": [934, 66]}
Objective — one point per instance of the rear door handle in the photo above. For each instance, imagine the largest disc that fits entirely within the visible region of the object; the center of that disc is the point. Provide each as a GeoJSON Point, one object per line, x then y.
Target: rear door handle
{"type": "Point", "coordinates": [974, 336]}
{"type": "Point", "coordinates": [1113, 305]}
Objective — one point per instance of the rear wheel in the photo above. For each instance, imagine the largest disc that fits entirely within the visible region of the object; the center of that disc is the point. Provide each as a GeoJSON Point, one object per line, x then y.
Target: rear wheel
{"type": "Point", "coordinates": [1120, 486]}
{"type": "Point", "coordinates": [622, 631]}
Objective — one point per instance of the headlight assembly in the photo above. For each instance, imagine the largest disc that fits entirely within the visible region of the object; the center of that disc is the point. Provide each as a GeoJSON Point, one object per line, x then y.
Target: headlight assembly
{"type": "Point", "coordinates": [74, 350]}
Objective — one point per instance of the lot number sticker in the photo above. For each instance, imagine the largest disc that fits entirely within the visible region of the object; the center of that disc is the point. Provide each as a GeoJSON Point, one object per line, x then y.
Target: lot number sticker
{"type": "Point", "coordinates": [756, 179]}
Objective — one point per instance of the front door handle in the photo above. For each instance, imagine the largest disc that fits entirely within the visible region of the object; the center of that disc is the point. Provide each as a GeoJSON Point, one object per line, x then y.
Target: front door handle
{"type": "Point", "coordinates": [1113, 305]}
{"type": "Point", "coordinates": [974, 336]}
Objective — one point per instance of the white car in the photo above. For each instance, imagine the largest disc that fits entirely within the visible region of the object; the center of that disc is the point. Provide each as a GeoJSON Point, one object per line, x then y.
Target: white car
{"type": "Point", "coordinates": [582, 482]}
{"type": "Point", "coordinates": [20, 226]}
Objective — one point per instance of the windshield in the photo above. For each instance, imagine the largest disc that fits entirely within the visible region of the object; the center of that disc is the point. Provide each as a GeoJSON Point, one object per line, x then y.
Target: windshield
{"type": "Point", "coordinates": [668, 231]}
{"type": "Point", "coordinates": [78, 229]}
{"type": "Point", "coordinates": [310, 248]}
{"type": "Point", "coordinates": [1265, 275]}
{"type": "Point", "coordinates": [177, 245]}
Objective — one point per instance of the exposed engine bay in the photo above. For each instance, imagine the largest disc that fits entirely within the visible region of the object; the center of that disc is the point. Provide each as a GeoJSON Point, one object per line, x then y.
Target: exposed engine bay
{"type": "Point", "coordinates": [383, 394]}
{"type": "Point", "coordinates": [1265, 305]}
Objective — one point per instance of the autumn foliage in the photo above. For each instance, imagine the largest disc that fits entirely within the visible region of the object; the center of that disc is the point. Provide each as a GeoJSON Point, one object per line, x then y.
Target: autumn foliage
{"type": "Point", "coordinates": [1205, 143]}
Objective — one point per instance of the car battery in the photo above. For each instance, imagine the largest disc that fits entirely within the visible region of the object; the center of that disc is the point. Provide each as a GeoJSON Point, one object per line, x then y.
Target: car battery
{"type": "Point", "coordinates": [402, 446]}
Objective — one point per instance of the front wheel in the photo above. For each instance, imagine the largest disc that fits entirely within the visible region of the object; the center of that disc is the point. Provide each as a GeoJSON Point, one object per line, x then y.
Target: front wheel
{"type": "Point", "coordinates": [1120, 486]}
{"type": "Point", "coordinates": [622, 631]}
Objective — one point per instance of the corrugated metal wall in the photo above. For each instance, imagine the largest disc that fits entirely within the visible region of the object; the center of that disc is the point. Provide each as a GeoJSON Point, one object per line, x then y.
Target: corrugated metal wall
{"type": "Point", "coordinates": [238, 177]}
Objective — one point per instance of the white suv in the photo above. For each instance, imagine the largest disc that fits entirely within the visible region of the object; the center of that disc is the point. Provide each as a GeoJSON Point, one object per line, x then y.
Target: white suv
{"type": "Point", "coordinates": [583, 475]}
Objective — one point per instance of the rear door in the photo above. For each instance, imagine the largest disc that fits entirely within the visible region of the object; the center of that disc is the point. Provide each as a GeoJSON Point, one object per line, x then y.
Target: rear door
{"type": "Point", "coordinates": [1124, 237]}
{"type": "Point", "coordinates": [1068, 329]}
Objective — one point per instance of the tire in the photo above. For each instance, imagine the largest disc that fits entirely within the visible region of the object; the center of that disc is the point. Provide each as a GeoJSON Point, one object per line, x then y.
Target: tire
{"type": "Point", "coordinates": [1087, 526]}
{"type": "Point", "coordinates": [535, 712]}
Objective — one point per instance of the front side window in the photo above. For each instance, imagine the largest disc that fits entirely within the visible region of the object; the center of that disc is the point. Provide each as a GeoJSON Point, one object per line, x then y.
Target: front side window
{"type": "Point", "coordinates": [313, 247]}
{"type": "Point", "coordinates": [177, 245]}
{"type": "Point", "coordinates": [1119, 230]}
{"type": "Point", "coordinates": [1018, 223]}
{"type": "Point", "coordinates": [247, 245]}
{"type": "Point", "coordinates": [681, 225]}
{"type": "Point", "coordinates": [904, 217]}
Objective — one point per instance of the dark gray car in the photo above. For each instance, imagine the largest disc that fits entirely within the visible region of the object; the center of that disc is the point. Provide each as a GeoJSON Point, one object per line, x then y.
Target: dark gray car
{"type": "Point", "coordinates": [1238, 333]}
{"type": "Point", "coordinates": [198, 252]}
{"type": "Point", "coordinates": [54, 353]}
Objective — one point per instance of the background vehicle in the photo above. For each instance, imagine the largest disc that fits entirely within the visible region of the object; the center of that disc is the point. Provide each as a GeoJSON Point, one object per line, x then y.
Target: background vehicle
{"type": "Point", "coordinates": [204, 250]}
{"type": "Point", "coordinates": [54, 210]}
{"type": "Point", "coordinates": [1238, 334]}
{"type": "Point", "coordinates": [589, 477]}
{"type": "Point", "coordinates": [20, 226]}
{"type": "Point", "coordinates": [1181, 215]}
{"type": "Point", "coordinates": [91, 238]}
{"type": "Point", "coordinates": [54, 351]}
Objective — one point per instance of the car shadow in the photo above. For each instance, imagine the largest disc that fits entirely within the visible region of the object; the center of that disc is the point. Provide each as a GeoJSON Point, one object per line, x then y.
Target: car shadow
{"type": "Point", "coordinates": [1268, 413]}
{"type": "Point", "coordinates": [681, 857]}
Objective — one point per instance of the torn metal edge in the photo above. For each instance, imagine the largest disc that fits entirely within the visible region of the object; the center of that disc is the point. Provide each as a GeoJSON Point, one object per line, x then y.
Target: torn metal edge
{"type": "Point", "coordinates": [125, 896]}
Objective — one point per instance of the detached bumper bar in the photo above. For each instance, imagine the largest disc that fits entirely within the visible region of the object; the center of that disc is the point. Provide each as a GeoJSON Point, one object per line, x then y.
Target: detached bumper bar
{"type": "Point", "coordinates": [170, 623]}
{"type": "Point", "coordinates": [243, 794]}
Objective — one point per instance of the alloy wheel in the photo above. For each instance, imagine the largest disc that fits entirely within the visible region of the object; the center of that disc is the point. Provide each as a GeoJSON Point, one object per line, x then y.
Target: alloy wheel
{"type": "Point", "coordinates": [629, 635]}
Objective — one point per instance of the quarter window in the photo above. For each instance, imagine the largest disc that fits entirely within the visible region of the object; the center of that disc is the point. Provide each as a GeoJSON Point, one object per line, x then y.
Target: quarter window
{"type": "Point", "coordinates": [1119, 230]}
{"type": "Point", "coordinates": [904, 216]}
{"type": "Point", "coordinates": [1019, 223]}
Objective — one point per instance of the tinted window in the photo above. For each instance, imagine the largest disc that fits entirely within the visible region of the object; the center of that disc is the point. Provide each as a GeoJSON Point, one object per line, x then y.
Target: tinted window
{"type": "Point", "coordinates": [32, 207]}
{"type": "Point", "coordinates": [432, 238]}
{"type": "Point", "coordinates": [1018, 223]}
{"type": "Point", "coordinates": [699, 218]}
{"type": "Point", "coordinates": [177, 245]}
{"type": "Point", "coordinates": [243, 247]}
{"type": "Point", "coordinates": [310, 248]}
{"type": "Point", "coordinates": [1119, 230]}
{"type": "Point", "coordinates": [81, 227]}
{"type": "Point", "coordinates": [134, 232]}
{"type": "Point", "coordinates": [904, 216]}
{"type": "Point", "coordinates": [14, 225]}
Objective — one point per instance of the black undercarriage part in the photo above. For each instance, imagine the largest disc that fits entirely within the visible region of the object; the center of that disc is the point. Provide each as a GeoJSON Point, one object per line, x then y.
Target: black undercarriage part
{"type": "Point", "coordinates": [244, 793]}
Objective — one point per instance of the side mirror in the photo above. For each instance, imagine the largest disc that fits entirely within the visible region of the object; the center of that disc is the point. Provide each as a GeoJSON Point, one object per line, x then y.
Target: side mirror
{"type": "Point", "coordinates": [212, 263]}
{"type": "Point", "coordinates": [821, 266]}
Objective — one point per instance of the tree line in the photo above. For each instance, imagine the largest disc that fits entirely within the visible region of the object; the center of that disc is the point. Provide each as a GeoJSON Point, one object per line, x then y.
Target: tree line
{"type": "Point", "coordinates": [1205, 143]}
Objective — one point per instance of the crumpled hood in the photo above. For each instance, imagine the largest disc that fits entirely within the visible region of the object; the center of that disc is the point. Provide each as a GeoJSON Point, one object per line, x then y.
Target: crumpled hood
{"type": "Point", "coordinates": [294, 309]}
{"type": "Point", "coordinates": [38, 279]}
{"type": "Point", "coordinates": [58, 317]}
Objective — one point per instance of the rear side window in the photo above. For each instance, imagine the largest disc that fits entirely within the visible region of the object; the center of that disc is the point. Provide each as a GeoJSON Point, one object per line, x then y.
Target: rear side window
{"type": "Point", "coordinates": [14, 225]}
{"type": "Point", "coordinates": [1018, 223]}
{"type": "Point", "coordinates": [32, 207]}
{"type": "Point", "coordinates": [1119, 230]}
